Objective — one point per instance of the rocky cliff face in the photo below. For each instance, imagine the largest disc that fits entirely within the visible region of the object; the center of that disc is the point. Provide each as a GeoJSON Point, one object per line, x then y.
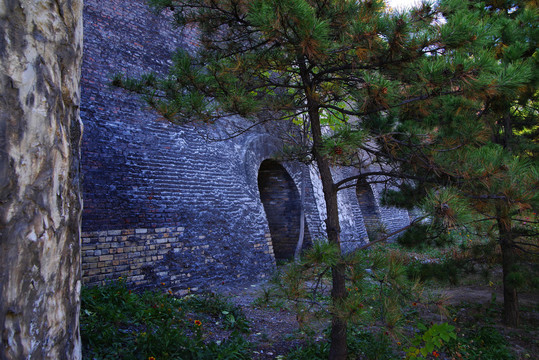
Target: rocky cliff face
{"type": "Point", "coordinates": [40, 132]}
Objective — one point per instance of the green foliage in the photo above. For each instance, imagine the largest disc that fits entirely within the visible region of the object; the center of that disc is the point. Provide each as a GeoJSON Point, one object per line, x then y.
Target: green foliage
{"type": "Point", "coordinates": [323, 254]}
{"type": "Point", "coordinates": [407, 196]}
{"type": "Point", "coordinates": [447, 271]}
{"type": "Point", "coordinates": [378, 289]}
{"type": "Point", "coordinates": [478, 338]}
{"type": "Point", "coordinates": [424, 235]}
{"type": "Point", "coordinates": [485, 343]}
{"type": "Point", "coordinates": [218, 307]}
{"type": "Point", "coordinates": [316, 350]}
{"type": "Point", "coordinates": [430, 340]}
{"type": "Point", "coordinates": [370, 346]}
{"type": "Point", "coordinates": [117, 323]}
{"type": "Point", "coordinates": [362, 345]}
{"type": "Point", "coordinates": [341, 145]}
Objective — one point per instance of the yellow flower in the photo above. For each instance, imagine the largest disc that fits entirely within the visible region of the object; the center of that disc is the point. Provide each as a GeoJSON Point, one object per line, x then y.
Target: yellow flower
{"type": "Point", "coordinates": [151, 358]}
{"type": "Point", "coordinates": [198, 323]}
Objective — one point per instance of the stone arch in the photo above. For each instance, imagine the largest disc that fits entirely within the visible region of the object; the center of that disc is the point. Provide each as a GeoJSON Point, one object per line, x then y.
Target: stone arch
{"type": "Point", "coordinates": [258, 148]}
{"type": "Point", "coordinates": [369, 209]}
{"type": "Point", "coordinates": [282, 206]}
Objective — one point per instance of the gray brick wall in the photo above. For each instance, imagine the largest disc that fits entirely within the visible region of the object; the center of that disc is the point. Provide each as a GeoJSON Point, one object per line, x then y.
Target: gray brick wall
{"type": "Point", "coordinates": [164, 203]}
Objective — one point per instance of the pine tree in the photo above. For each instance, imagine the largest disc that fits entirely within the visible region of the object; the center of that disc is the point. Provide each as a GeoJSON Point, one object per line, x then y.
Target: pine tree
{"type": "Point", "coordinates": [401, 87]}
{"type": "Point", "coordinates": [509, 113]}
{"type": "Point", "coordinates": [486, 169]}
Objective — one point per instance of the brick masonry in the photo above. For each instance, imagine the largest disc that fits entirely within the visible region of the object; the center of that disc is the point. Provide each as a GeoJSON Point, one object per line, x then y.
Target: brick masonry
{"type": "Point", "coordinates": [169, 204]}
{"type": "Point", "coordinates": [282, 205]}
{"type": "Point", "coordinates": [147, 257]}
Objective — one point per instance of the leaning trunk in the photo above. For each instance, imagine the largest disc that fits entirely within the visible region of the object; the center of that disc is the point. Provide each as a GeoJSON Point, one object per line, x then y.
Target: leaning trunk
{"type": "Point", "coordinates": [510, 295]}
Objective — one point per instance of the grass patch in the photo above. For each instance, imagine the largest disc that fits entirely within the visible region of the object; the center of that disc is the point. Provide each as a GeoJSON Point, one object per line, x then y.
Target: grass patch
{"type": "Point", "coordinates": [117, 323]}
{"type": "Point", "coordinates": [362, 344]}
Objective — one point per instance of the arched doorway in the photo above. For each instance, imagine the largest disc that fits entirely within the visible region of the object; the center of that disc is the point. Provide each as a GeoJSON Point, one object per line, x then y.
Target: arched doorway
{"type": "Point", "coordinates": [367, 204]}
{"type": "Point", "coordinates": [281, 201]}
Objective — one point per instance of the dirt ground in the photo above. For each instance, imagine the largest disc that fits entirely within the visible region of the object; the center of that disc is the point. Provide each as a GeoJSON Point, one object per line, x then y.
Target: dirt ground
{"type": "Point", "coordinates": [275, 331]}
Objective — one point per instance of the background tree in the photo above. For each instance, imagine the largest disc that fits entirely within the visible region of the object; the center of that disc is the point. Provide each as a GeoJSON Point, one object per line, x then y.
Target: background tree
{"type": "Point", "coordinates": [402, 87]}
{"type": "Point", "coordinates": [486, 167]}
{"type": "Point", "coordinates": [513, 119]}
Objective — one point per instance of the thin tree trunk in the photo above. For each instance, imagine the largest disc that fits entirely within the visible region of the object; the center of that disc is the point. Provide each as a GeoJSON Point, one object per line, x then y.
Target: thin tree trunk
{"type": "Point", "coordinates": [299, 245]}
{"type": "Point", "coordinates": [510, 296]}
{"type": "Point", "coordinates": [338, 348]}
{"type": "Point", "coordinates": [511, 315]}
{"type": "Point", "coordinates": [508, 131]}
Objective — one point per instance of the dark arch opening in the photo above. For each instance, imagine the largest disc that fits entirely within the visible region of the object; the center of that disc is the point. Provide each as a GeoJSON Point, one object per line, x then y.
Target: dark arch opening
{"type": "Point", "coordinates": [282, 205]}
{"type": "Point", "coordinates": [367, 204]}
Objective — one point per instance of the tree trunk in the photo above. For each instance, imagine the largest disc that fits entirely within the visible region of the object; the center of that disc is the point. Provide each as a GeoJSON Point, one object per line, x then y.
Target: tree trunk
{"type": "Point", "coordinates": [301, 238]}
{"type": "Point", "coordinates": [40, 204]}
{"type": "Point", "coordinates": [510, 296]}
{"type": "Point", "coordinates": [338, 348]}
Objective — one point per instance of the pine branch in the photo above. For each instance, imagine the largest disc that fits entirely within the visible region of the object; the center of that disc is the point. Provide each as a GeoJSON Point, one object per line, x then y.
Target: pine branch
{"type": "Point", "coordinates": [387, 237]}
{"type": "Point", "coordinates": [339, 185]}
{"type": "Point", "coordinates": [385, 108]}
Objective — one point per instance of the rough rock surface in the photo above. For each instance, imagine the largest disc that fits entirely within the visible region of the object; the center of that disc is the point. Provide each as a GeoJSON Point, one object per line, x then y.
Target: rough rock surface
{"type": "Point", "coordinates": [40, 132]}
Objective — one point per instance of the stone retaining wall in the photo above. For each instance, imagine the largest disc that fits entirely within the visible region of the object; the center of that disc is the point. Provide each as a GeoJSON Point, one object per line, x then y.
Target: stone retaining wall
{"type": "Point", "coordinates": [147, 257]}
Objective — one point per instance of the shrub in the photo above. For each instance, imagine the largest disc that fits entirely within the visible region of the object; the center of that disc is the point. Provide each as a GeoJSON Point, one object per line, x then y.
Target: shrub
{"type": "Point", "coordinates": [446, 271]}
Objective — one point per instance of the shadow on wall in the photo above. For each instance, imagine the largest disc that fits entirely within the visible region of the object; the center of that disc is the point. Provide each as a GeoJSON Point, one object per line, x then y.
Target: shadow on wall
{"type": "Point", "coordinates": [282, 205]}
